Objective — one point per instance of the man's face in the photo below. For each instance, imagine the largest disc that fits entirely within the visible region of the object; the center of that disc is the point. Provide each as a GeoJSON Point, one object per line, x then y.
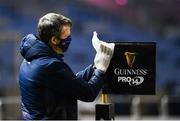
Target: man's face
{"type": "Point", "coordinates": [66, 31]}
{"type": "Point", "coordinates": [63, 41]}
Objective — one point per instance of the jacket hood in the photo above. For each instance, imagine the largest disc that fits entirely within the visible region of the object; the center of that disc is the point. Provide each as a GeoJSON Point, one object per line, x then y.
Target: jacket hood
{"type": "Point", "coordinates": [31, 47]}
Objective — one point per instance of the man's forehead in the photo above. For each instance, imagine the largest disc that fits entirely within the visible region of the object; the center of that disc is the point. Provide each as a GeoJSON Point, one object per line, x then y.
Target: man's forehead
{"type": "Point", "coordinates": [65, 28]}
{"type": "Point", "coordinates": [66, 31]}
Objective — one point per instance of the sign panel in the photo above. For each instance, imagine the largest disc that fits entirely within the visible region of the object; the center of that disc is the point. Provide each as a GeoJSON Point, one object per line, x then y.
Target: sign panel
{"type": "Point", "coordinates": [132, 69]}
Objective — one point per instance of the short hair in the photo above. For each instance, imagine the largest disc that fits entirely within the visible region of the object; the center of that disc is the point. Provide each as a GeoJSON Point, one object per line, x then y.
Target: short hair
{"type": "Point", "coordinates": [51, 25]}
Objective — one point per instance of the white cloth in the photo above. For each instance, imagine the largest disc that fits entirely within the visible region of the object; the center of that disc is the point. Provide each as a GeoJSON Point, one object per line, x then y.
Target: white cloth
{"type": "Point", "coordinates": [96, 43]}
{"type": "Point", "coordinates": [104, 53]}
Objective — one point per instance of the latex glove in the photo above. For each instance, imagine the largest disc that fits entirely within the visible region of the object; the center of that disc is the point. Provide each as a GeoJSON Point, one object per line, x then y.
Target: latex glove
{"type": "Point", "coordinates": [103, 58]}
{"type": "Point", "coordinates": [96, 43]}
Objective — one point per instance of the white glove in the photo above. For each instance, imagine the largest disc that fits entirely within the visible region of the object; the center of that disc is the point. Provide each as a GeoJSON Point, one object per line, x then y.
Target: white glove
{"type": "Point", "coordinates": [104, 53]}
{"type": "Point", "coordinates": [103, 58]}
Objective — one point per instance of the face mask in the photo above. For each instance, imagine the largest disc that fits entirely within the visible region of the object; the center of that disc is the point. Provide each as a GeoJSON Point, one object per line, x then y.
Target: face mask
{"type": "Point", "coordinates": [64, 44]}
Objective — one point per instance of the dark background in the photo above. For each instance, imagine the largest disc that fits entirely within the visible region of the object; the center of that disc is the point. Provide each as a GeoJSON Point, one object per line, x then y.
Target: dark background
{"type": "Point", "coordinates": [114, 20]}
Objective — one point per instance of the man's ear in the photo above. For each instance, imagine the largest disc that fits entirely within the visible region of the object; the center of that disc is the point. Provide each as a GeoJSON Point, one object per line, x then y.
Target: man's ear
{"type": "Point", "coordinates": [53, 40]}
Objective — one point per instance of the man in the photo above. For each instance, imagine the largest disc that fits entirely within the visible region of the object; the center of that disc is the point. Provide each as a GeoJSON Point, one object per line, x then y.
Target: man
{"type": "Point", "coordinates": [49, 89]}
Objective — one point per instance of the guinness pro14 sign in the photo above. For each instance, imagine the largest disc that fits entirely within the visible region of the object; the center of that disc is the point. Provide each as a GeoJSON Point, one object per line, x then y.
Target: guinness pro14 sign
{"type": "Point", "coordinates": [132, 69]}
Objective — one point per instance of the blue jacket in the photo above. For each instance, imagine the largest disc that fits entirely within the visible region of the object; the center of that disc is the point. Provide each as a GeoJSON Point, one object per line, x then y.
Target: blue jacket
{"type": "Point", "coordinates": [49, 89]}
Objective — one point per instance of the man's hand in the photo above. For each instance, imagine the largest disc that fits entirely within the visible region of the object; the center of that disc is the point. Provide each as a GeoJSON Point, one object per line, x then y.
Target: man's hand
{"type": "Point", "coordinates": [104, 53]}
{"type": "Point", "coordinates": [103, 58]}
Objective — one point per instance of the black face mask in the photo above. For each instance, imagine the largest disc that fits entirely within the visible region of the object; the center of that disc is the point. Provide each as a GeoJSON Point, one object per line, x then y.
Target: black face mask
{"type": "Point", "coordinates": [64, 44]}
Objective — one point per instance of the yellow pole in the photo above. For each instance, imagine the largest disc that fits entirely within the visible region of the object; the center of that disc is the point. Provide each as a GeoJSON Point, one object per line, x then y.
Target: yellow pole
{"type": "Point", "coordinates": [104, 98]}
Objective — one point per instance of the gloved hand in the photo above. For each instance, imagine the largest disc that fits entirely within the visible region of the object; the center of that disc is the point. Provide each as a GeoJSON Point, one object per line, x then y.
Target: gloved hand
{"type": "Point", "coordinates": [104, 53]}
{"type": "Point", "coordinates": [103, 58]}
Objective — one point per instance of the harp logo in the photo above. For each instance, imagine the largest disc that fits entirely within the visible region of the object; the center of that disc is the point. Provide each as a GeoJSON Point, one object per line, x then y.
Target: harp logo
{"type": "Point", "coordinates": [130, 58]}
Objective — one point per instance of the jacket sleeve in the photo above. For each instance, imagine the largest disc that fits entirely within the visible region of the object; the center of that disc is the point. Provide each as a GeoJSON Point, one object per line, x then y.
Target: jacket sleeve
{"type": "Point", "coordinates": [85, 74]}
{"type": "Point", "coordinates": [85, 86]}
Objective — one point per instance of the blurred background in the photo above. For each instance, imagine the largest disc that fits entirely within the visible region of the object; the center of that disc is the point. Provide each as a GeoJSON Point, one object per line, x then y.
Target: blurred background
{"type": "Point", "coordinates": [114, 20]}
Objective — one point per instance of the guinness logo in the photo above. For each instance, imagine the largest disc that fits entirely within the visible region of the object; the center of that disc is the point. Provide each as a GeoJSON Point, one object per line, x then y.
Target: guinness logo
{"type": "Point", "coordinates": [130, 58]}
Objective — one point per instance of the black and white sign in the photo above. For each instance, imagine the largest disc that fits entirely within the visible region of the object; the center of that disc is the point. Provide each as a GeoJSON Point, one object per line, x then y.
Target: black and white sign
{"type": "Point", "coordinates": [132, 69]}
